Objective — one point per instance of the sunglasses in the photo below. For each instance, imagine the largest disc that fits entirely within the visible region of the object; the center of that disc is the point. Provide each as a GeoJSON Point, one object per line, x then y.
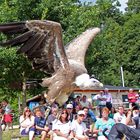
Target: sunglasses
{"type": "Point", "coordinates": [81, 115]}
{"type": "Point", "coordinates": [64, 113]}
{"type": "Point", "coordinates": [27, 111]}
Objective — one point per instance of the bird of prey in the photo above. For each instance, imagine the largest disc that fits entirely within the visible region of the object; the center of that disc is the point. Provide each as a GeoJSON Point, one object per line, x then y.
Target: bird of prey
{"type": "Point", "coordinates": [42, 44]}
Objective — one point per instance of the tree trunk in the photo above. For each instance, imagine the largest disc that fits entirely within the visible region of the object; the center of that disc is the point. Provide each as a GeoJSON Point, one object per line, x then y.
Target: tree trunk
{"type": "Point", "coordinates": [23, 93]}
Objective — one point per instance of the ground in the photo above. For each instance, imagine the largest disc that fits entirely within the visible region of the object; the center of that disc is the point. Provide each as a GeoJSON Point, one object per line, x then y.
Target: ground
{"type": "Point", "coordinates": [10, 134]}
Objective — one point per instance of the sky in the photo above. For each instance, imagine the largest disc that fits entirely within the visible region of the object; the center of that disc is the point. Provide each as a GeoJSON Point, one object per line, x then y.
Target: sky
{"type": "Point", "coordinates": [122, 2]}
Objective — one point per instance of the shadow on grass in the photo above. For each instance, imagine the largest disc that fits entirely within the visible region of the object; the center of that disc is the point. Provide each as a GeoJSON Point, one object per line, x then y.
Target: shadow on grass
{"type": "Point", "coordinates": [10, 134]}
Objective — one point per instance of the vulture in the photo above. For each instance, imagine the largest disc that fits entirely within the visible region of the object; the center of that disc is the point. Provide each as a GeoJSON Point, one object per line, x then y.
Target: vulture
{"type": "Point", "coordinates": [41, 42]}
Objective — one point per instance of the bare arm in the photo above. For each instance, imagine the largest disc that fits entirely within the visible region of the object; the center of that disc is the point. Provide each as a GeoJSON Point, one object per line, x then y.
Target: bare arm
{"type": "Point", "coordinates": [129, 120]}
{"type": "Point", "coordinates": [42, 129]}
{"type": "Point", "coordinates": [60, 133]}
{"type": "Point", "coordinates": [95, 130]}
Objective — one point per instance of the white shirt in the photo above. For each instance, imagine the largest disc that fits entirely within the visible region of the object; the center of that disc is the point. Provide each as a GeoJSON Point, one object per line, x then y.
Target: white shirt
{"type": "Point", "coordinates": [85, 104]}
{"type": "Point", "coordinates": [63, 127]}
{"type": "Point", "coordinates": [108, 97]}
{"type": "Point", "coordinates": [8, 109]}
{"type": "Point", "coordinates": [120, 118]}
{"type": "Point", "coordinates": [79, 129]}
{"type": "Point", "coordinates": [26, 122]}
{"type": "Point", "coordinates": [101, 102]}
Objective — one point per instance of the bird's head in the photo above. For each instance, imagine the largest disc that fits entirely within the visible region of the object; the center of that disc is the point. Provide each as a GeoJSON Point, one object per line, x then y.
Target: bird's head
{"type": "Point", "coordinates": [84, 81]}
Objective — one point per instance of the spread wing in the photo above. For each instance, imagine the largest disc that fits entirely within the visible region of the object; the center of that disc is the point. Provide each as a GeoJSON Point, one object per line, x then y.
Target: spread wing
{"type": "Point", "coordinates": [76, 49]}
{"type": "Point", "coordinates": [40, 41]}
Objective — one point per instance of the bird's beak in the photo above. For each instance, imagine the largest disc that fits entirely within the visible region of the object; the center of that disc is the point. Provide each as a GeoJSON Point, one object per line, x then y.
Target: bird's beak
{"type": "Point", "coordinates": [101, 85]}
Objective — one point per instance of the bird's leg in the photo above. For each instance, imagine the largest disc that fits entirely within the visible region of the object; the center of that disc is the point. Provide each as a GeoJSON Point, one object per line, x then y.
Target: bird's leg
{"type": "Point", "coordinates": [47, 112]}
{"type": "Point", "coordinates": [49, 103]}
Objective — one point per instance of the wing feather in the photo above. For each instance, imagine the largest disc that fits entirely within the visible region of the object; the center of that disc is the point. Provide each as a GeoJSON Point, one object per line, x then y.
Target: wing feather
{"type": "Point", "coordinates": [29, 44]}
{"type": "Point", "coordinates": [77, 48]}
{"type": "Point", "coordinates": [12, 28]}
{"type": "Point", "coordinates": [18, 40]}
{"type": "Point", "coordinates": [36, 46]}
{"type": "Point", "coordinates": [41, 42]}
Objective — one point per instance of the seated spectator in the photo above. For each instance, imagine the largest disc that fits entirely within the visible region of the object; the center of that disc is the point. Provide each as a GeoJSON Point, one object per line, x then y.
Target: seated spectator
{"type": "Point", "coordinates": [85, 103]}
{"type": "Point", "coordinates": [62, 127]}
{"type": "Point", "coordinates": [77, 108]}
{"type": "Point", "coordinates": [69, 108]}
{"type": "Point", "coordinates": [52, 117]}
{"type": "Point", "coordinates": [87, 120]}
{"type": "Point", "coordinates": [119, 130]}
{"type": "Point", "coordinates": [120, 117]}
{"type": "Point", "coordinates": [76, 101]}
{"type": "Point", "coordinates": [135, 110]}
{"type": "Point", "coordinates": [112, 112]}
{"type": "Point", "coordinates": [27, 123]}
{"type": "Point", "coordinates": [78, 128]}
{"type": "Point", "coordinates": [102, 124]}
{"type": "Point", "coordinates": [40, 124]}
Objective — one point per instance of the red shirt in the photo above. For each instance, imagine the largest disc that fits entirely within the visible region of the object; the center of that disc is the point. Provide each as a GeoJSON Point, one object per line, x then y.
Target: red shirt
{"type": "Point", "coordinates": [132, 97]}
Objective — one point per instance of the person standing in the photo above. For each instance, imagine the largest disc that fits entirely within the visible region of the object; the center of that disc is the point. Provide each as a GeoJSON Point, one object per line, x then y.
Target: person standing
{"type": "Point", "coordinates": [7, 118]}
{"type": "Point", "coordinates": [132, 97]}
{"type": "Point", "coordinates": [101, 102]}
{"type": "Point", "coordinates": [108, 98]}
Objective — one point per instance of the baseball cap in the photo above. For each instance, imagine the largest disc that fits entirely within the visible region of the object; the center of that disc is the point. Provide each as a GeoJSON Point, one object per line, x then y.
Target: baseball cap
{"type": "Point", "coordinates": [81, 112]}
{"type": "Point", "coordinates": [69, 106]}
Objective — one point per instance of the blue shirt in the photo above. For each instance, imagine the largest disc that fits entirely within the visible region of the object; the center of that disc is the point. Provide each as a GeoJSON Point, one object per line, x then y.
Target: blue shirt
{"type": "Point", "coordinates": [40, 121]}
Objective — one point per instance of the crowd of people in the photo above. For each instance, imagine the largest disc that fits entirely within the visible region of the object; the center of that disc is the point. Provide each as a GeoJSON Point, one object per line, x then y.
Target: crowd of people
{"type": "Point", "coordinates": [77, 121]}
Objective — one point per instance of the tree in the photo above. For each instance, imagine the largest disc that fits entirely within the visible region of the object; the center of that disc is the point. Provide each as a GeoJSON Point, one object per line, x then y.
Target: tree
{"type": "Point", "coordinates": [15, 71]}
{"type": "Point", "coordinates": [130, 58]}
{"type": "Point", "coordinates": [133, 6]}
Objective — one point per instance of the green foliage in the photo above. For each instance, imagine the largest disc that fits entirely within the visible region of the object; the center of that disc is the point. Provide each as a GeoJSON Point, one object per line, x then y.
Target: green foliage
{"type": "Point", "coordinates": [133, 6]}
{"type": "Point", "coordinates": [8, 11]}
{"type": "Point", "coordinates": [130, 50]}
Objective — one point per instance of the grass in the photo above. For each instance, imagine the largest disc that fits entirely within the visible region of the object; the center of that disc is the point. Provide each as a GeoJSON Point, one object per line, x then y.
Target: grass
{"type": "Point", "coordinates": [9, 134]}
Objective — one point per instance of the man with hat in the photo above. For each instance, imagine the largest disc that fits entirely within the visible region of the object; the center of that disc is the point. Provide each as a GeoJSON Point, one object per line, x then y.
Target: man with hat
{"type": "Point", "coordinates": [69, 108]}
{"type": "Point", "coordinates": [78, 127]}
